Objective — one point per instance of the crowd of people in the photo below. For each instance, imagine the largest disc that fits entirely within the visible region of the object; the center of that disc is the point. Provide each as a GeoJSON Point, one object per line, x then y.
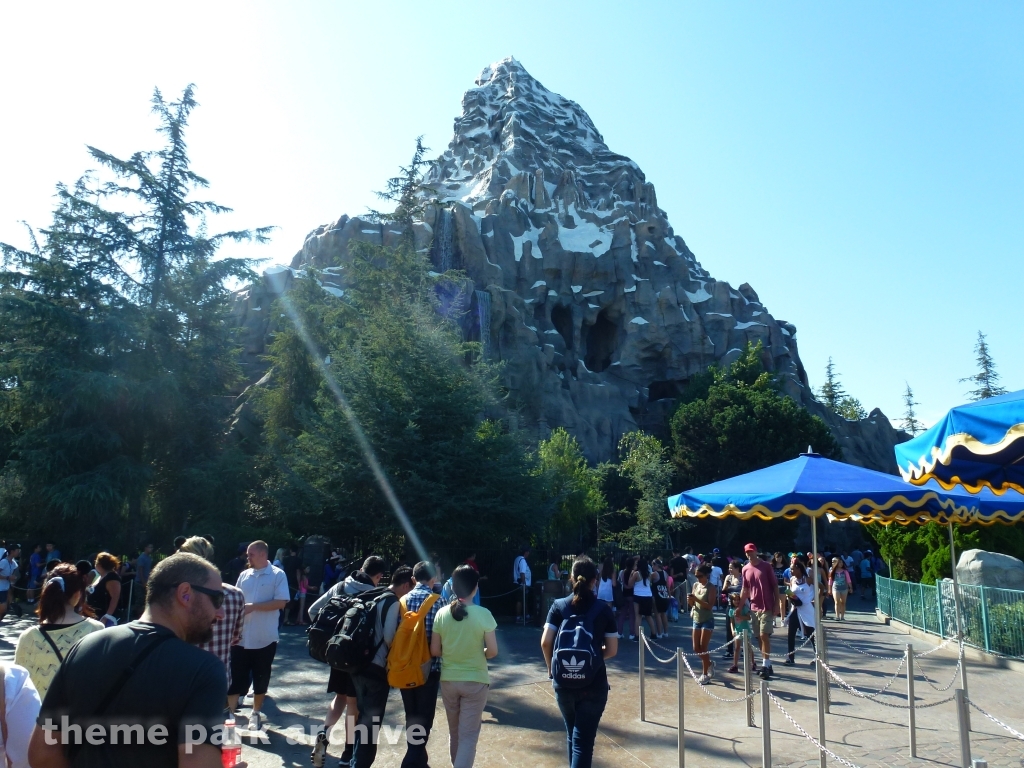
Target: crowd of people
{"type": "Point", "coordinates": [205, 639]}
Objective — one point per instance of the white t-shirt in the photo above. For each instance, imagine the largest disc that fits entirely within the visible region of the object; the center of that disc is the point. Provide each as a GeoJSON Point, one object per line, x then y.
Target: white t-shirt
{"type": "Point", "coordinates": [259, 628]}
{"type": "Point", "coordinates": [522, 568]}
{"type": "Point", "coordinates": [806, 594]}
{"type": "Point", "coordinates": [22, 711]}
{"type": "Point", "coordinates": [7, 570]}
{"type": "Point", "coordinates": [716, 576]}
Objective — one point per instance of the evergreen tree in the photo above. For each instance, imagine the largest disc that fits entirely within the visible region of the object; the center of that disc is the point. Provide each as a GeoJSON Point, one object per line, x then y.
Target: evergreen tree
{"type": "Point", "coordinates": [851, 409]}
{"type": "Point", "coordinates": [910, 424]}
{"type": "Point", "coordinates": [986, 380]}
{"type": "Point", "coordinates": [834, 397]}
{"type": "Point", "coordinates": [115, 350]}
{"type": "Point", "coordinates": [407, 192]}
{"type": "Point", "coordinates": [404, 371]}
{"type": "Point", "coordinates": [831, 392]}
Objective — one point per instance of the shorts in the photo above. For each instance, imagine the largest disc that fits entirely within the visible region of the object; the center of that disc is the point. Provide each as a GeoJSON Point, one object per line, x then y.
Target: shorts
{"type": "Point", "coordinates": [710, 624]}
{"type": "Point", "coordinates": [645, 604]}
{"type": "Point", "coordinates": [661, 604]}
{"type": "Point", "coordinates": [4, 595]}
{"type": "Point", "coordinates": [741, 626]}
{"type": "Point", "coordinates": [341, 683]}
{"type": "Point", "coordinates": [251, 665]}
{"type": "Point", "coordinates": [762, 623]}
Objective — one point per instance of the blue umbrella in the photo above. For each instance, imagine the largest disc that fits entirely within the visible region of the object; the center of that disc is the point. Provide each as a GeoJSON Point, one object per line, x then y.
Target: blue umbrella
{"type": "Point", "coordinates": [978, 445]}
{"type": "Point", "coordinates": [813, 485]}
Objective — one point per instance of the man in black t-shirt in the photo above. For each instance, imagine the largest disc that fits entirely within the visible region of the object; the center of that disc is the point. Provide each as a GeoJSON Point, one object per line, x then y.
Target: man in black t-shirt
{"type": "Point", "coordinates": [142, 694]}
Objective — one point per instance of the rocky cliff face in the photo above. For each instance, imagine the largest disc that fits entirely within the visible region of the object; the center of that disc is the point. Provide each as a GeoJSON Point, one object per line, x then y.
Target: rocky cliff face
{"type": "Point", "coordinates": [599, 310]}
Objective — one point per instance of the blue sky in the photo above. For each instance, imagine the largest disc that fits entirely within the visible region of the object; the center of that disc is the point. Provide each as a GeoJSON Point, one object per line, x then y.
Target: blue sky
{"type": "Point", "coordinates": [860, 166]}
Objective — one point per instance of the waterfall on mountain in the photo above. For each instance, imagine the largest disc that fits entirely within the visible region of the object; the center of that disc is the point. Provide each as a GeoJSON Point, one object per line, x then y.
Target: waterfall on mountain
{"type": "Point", "coordinates": [442, 255]}
{"type": "Point", "coordinates": [483, 311]}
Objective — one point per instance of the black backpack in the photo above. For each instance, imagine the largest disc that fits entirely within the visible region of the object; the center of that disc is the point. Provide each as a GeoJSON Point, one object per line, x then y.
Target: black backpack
{"type": "Point", "coordinates": [344, 633]}
{"type": "Point", "coordinates": [573, 661]}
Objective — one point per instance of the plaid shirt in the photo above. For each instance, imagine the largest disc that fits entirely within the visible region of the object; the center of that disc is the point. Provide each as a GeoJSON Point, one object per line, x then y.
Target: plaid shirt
{"type": "Point", "coordinates": [228, 631]}
{"type": "Point", "coordinates": [413, 600]}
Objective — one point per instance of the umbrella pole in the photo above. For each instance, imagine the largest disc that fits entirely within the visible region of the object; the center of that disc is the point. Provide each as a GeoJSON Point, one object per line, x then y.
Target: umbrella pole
{"type": "Point", "coordinates": [959, 620]}
{"type": "Point", "coordinates": [819, 671]}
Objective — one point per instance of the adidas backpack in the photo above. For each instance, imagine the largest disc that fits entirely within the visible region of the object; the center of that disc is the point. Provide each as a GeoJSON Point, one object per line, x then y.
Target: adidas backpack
{"type": "Point", "coordinates": [573, 661]}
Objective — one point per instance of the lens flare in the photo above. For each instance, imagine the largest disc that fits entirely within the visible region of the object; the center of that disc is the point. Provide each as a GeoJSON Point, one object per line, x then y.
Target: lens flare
{"type": "Point", "coordinates": [364, 443]}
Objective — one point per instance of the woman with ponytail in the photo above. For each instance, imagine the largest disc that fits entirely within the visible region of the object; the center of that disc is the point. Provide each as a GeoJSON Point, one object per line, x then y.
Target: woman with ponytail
{"type": "Point", "coordinates": [63, 621]}
{"type": "Point", "coordinates": [463, 636]}
{"type": "Point", "coordinates": [577, 671]}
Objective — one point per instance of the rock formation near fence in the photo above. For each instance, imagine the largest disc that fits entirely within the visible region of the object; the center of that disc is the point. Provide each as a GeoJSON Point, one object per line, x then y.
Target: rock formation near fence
{"type": "Point", "coordinates": [580, 285]}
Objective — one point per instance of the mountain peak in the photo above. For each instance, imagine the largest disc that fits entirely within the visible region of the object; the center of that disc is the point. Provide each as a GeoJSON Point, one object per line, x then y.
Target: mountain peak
{"type": "Point", "coordinates": [511, 123]}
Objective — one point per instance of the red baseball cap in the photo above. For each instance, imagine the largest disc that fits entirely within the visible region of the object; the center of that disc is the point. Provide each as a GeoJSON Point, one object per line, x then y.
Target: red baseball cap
{"type": "Point", "coordinates": [750, 547]}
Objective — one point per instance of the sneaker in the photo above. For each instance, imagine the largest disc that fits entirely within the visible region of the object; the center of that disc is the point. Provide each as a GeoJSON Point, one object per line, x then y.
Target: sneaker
{"type": "Point", "coordinates": [255, 722]}
{"type": "Point", "coordinates": [346, 757]}
{"type": "Point", "coordinates": [733, 669]}
{"type": "Point", "coordinates": [703, 680]}
{"type": "Point", "coordinates": [633, 638]}
{"type": "Point", "coordinates": [789, 662]}
{"type": "Point", "coordinates": [319, 755]}
{"type": "Point", "coordinates": [812, 663]}
{"type": "Point", "coordinates": [711, 674]}
{"type": "Point", "coordinates": [765, 673]}
{"type": "Point", "coordinates": [618, 635]}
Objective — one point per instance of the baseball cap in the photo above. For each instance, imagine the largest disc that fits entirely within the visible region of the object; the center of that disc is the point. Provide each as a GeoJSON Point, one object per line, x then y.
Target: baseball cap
{"type": "Point", "coordinates": [716, 551]}
{"type": "Point", "coordinates": [750, 548]}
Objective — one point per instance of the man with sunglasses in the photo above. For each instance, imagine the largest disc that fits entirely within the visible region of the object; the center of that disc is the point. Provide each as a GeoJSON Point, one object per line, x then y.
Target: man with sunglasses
{"type": "Point", "coordinates": [155, 699]}
{"type": "Point", "coordinates": [228, 631]}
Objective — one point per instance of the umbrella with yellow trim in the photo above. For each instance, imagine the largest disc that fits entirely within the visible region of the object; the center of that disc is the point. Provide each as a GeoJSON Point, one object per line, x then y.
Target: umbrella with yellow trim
{"type": "Point", "coordinates": [977, 445]}
{"type": "Point", "coordinates": [815, 486]}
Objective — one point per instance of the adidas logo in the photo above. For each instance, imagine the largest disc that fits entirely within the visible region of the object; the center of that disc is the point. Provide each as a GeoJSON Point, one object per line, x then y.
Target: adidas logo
{"type": "Point", "coordinates": [573, 666]}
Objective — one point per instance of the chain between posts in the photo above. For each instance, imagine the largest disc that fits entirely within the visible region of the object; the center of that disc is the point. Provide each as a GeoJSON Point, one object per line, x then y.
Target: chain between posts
{"type": "Point", "coordinates": [859, 694]}
{"type": "Point", "coordinates": [997, 721]}
{"type": "Point", "coordinates": [807, 736]}
{"type": "Point", "coordinates": [865, 653]}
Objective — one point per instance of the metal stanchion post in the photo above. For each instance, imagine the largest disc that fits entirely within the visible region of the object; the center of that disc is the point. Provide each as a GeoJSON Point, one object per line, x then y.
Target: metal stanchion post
{"type": "Point", "coordinates": [819, 671]}
{"type": "Point", "coordinates": [910, 700]}
{"type": "Point", "coordinates": [959, 620]}
{"type": "Point", "coordinates": [963, 727]}
{"type": "Point", "coordinates": [823, 652]}
{"type": "Point", "coordinates": [745, 639]}
{"type": "Point", "coordinates": [680, 673]}
{"type": "Point", "coordinates": [643, 708]}
{"type": "Point", "coordinates": [766, 726]}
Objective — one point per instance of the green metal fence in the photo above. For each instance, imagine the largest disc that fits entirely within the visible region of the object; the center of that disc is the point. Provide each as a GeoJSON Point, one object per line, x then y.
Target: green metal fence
{"type": "Point", "coordinates": [993, 618]}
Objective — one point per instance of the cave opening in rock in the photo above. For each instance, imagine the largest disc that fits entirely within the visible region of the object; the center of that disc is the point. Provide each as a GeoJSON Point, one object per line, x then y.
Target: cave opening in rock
{"type": "Point", "coordinates": [602, 339]}
{"type": "Point", "coordinates": [561, 318]}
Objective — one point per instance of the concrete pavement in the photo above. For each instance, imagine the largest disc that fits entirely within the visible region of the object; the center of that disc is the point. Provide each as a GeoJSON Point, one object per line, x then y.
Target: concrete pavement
{"type": "Point", "coordinates": [522, 725]}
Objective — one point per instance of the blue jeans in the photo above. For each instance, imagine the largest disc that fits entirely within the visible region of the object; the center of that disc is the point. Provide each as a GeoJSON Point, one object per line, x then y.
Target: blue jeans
{"type": "Point", "coordinates": [581, 710]}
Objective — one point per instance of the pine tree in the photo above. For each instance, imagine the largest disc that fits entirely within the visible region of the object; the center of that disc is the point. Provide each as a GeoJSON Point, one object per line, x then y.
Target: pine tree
{"type": "Point", "coordinates": [910, 424]}
{"type": "Point", "coordinates": [115, 349]}
{"type": "Point", "coordinates": [408, 192]}
{"type": "Point", "coordinates": [986, 380]}
{"type": "Point", "coordinates": [851, 409]}
{"type": "Point", "coordinates": [831, 392]}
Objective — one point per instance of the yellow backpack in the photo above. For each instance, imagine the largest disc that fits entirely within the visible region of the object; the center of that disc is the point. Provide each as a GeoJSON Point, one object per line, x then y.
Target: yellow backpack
{"type": "Point", "coordinates": [409, 652]}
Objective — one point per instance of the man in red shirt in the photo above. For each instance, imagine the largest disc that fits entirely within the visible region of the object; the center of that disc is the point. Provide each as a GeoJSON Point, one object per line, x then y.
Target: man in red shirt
{"type": "Point", "coordinates": [761, 587]}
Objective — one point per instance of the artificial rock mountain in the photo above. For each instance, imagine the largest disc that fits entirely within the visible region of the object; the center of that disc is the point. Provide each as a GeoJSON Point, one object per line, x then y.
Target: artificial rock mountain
{"type": "Point", "coordinates": [598, 309]}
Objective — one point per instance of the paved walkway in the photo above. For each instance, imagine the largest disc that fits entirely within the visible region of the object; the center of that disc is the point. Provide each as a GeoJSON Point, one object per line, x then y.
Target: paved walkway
{"type": "Point", "coordinates": [522, 725]}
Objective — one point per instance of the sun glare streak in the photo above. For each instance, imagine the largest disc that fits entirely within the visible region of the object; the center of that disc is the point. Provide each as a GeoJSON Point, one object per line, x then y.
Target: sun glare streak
{"type": "Point", "coordinates": [364, 444]}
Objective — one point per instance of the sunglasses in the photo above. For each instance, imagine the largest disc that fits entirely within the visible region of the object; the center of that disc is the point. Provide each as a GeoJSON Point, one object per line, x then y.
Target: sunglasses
{"type": "Point", "coordinates": [216, 596]}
